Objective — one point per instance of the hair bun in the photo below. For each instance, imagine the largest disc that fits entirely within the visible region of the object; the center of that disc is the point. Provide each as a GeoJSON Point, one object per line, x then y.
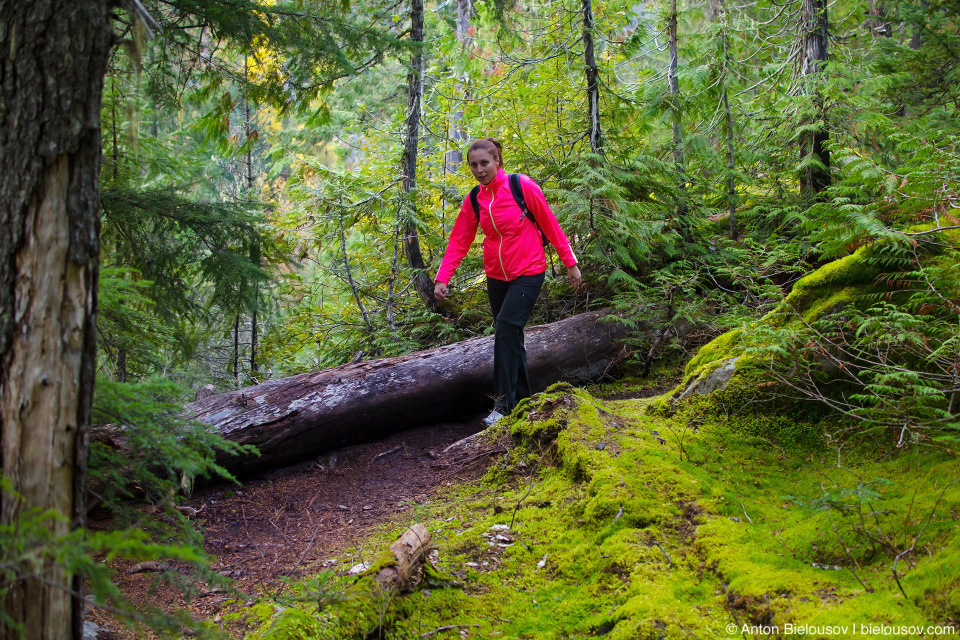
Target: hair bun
{"type": "Point", "coordinates": [488, 144]}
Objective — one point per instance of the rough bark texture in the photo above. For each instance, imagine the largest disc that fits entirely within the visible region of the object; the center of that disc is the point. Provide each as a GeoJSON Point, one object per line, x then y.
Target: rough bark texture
{"type": "Point", "coordinates": [816, 176]}
{"type": "Point", "coordinates": [674, 82]}
{"type": "Point", "coordinates": [593, 83]}
{"type": "Point", "coordinates": [409, 551]}
{"type": "Point", "coordinates": [292, 419]}
{"type": "Point", "coordinates": [421, 281]}
{"type": "Point", "coordinates": [53, 57]}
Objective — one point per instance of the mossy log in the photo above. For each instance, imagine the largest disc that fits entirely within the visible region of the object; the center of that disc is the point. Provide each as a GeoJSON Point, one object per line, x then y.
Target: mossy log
{"type": "Point", "coordinates": [293, 419]}
{"type": "Point", "coordinates": [407, 556]}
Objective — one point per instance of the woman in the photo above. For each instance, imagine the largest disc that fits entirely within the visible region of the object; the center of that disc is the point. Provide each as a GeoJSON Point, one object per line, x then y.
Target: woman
{"type": "Point", "coordinates": [513, 259]}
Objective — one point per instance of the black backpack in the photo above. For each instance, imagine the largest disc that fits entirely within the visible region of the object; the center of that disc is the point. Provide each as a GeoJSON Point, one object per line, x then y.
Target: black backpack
{"type": "Point", "coordinates": [517, 191]}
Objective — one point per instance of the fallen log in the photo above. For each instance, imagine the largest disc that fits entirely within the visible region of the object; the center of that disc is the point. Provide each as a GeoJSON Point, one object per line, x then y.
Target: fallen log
{"type": "Point", "coordinates": [408, 554]}
{"type": "Point", "coordinates": [293, 419]}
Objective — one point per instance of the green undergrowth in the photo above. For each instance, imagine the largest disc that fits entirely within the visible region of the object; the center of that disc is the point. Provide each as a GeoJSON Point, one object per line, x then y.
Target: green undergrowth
{"type": "Point", "coordinates": [833, 286]}
{"type": "Point", "coordinates": [892, 271]}
{"type": "Point", "coordinates": [620, 522]}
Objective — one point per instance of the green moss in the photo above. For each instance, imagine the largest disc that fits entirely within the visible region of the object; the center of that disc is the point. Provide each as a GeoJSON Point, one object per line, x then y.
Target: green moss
{"type": "Point", "coordinates": [638, 525]}
{"type": "Point", "coordinates": [856, 269]}
{"type": "Point", "coordinates": [712, 354]}
{"type": "Point", "coordinates": [848, 282]}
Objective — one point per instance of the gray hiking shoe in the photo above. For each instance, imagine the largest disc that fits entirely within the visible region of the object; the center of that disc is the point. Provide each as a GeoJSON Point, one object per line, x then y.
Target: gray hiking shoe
{"type": "Point", "coordinates": [492, 419]}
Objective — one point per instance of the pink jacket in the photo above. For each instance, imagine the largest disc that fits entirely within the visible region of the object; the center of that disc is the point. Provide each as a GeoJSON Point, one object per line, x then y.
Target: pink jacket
{"type": "Point", "coordinates": [512, 245]}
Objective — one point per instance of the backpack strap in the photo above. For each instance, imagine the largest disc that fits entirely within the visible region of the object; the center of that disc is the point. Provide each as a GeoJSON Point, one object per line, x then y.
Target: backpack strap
{"type": "Point", "coordinates": [475, 201]}
{"type": "Point", "coordinates": [517, 190]}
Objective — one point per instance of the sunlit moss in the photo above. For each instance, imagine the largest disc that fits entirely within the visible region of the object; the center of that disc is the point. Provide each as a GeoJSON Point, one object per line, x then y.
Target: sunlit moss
{"type": "Point", "coordinates": [625, 524]}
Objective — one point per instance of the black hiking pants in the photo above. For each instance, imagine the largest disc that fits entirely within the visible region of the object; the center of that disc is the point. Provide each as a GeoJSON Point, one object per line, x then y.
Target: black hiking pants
{"type": "Point", "coordinates": [511, 302]}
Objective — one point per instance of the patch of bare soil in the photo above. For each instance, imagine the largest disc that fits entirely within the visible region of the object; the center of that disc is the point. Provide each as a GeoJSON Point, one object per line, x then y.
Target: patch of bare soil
{"type": "Point", "coordinates": [290, 522]}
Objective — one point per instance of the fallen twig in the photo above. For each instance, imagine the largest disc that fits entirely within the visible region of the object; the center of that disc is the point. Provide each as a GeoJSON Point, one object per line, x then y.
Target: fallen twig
{"type": "Point", "coordinates": [470, 461]}
{"type": "Point", "coordinates": [449, 626]}
{"type": "Point", "coordinates": [152, 565]}
{"type": "Point", "coordinates": [896, 560]}
{"type": "Point", "coordinates": [662, 550]}
{"type": "Point", "coordinates": [463, 442]}
{"type": "Point", "coordinates": [380, 456]}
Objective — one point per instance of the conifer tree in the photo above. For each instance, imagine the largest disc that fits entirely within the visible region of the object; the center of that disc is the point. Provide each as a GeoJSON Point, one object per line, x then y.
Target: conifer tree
{"type": "Point", "coordinates": [815, 163]}
{"type": "Point", "coordinates": [593, 81]}
{"type": "Point", "coordinates": [415, 82]}
{"type": "Point", "coordinates": [53, 56]}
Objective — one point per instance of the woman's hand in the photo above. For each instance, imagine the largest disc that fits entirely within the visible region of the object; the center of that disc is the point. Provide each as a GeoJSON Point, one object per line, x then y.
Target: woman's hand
{"type": "Point", "coordinates": [573, 276]}
{"type": "Point", "coordinates": [440, 292]}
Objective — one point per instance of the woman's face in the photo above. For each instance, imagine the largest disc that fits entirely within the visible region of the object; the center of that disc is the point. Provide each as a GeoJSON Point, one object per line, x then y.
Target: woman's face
{"type": "Point", "coordinates": [483, 165]}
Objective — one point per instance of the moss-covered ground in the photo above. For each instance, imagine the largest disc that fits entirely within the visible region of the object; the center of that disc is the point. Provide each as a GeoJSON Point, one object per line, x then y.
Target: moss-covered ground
{"type": "Point", "coordinates": [607, 519]}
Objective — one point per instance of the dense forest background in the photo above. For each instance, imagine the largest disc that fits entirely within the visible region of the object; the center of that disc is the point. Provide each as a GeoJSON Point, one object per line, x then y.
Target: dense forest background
{"type": "Point", "coordinates": [265, 213]}
{"type": "Point", "coordinates": [279, 179]}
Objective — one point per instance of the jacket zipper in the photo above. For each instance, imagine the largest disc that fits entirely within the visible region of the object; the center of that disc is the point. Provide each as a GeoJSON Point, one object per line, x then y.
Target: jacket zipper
{"type": "Point", "coordinates": [499, 244]}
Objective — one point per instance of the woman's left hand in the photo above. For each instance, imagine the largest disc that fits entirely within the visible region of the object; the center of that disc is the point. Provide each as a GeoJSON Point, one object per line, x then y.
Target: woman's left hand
{"type": "Point", "coordinates": [573, 276]}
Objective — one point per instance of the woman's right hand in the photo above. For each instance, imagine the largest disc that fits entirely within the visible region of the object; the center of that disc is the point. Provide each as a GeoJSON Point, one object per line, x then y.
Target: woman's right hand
{"type": "Point", "coordinates": [440, 292]}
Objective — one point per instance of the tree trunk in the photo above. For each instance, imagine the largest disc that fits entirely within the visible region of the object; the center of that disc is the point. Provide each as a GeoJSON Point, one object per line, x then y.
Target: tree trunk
{"type": "Point", "coordinates": [236, 350]}
{"type": "Point", "coordinates": [878, 23]}
{"type": "Point", "coordinates": [292, 419]}
{"type": "Point", "coordinates": [916, 40]}
{"type": "Point", "coordinates": [815, 175]}
{"type": "Point", "coordinates": [253, 335]}
{"type": "Point", "coordinates": [122, 365]}
{"type": "Point", "coordinates": [421, 281]}
{"type": "Point", "coordinates": [731, 165]}
{"type": "Point", "coordinates": [391, 285]}
{"type": "Point", "coordinates": [349, 273]}
{"type": "Point", "coordinates": [53, 57]}
{"type": "Point", "coordinates": [248, 194]}
{"type": "Point", "coordinates": [678, 161]}
{"type": "Point", "coordinates": [255, 258]}
{"type": "Point", "coordinates": [731, 149]}
{"type": "Point", "coordinates": [593, 83]}
{"type": "Point", "coordinates": [458, 133]}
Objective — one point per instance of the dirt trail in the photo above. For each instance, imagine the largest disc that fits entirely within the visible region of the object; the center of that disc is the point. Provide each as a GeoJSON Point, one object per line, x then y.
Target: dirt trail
{"type": "Point", "coordinates": [298, 520]}
{"type": "Point", "coordinates": [292, 522]}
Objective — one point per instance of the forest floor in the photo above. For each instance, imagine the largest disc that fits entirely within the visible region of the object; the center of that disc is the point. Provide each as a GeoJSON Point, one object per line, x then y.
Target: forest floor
{"type": "Point", "coordinates": [587, 513]}
{"type": "Point", "coordinates": [300, 520]}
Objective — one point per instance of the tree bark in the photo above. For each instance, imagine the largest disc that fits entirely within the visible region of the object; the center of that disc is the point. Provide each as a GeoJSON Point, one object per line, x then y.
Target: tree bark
{"type": "Point", "coordinates": [255, 258]}
{"type": "Point", "coordinates": [53, 57]}
{"type": "Point", "coordinates": [292, 419]}
{"type": "Point", "coordinates": [593, 83]}
{"type": "Point", "coordinates": [236, 350]}
{"type": "Point", "coordinates": [421, 281]}
{"type": "Point", "coordinates": [409, 552]}
{"type": "Point", "coordinates": [349, 273]}
{"type": "Point", "coordinates": [458, 132]}
{"type": "Point", "coordinates": [731, 151]}
{"type": "Point", "coordinates": [815, 176]}
{"type": "Point", "coordinates": [678, 161]}
{"type": "Point", "coordinates": [248, 194]}
{"type": "Point", "coordinates": [674, 83]}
